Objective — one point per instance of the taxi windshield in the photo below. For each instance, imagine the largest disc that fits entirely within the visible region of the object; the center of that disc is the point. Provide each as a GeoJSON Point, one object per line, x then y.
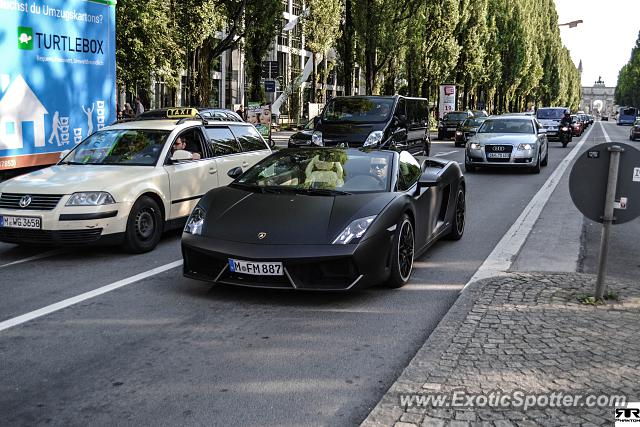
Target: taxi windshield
{"type": "Point", "coordinates": [119, 147]}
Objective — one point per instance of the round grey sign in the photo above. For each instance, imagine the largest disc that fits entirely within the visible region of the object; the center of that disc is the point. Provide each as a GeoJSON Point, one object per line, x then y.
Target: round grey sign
{"type": "Point", "coordinates": [588, 183]}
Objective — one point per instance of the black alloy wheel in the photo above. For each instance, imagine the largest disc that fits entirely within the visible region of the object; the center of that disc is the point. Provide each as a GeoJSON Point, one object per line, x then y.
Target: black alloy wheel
{"type": "Point", "coordinates": [144, 226]}
{"type": "Point", "coordinates": [545, 161]}
{"type": "Point", "coordinates": [459, 216]}
{"type": "Point", "coordinates": [402, 254]}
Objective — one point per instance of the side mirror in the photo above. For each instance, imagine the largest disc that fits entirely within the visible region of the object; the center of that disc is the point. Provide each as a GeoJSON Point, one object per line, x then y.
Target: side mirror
{"type": "Point", "coordinates": [542, 131]}
{"type": "Point", "coordinates": [181, 155]}
{"type": "Point", "coordinates": [64, 153]}
{"type": "Point", "coordinates": [235, 172]}
{"type": "Point", "coordinates": [402, 119]}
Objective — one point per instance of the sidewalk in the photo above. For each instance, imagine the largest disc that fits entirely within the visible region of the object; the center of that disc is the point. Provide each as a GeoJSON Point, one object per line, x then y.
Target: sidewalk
{"type": "Point", "coordinates": [524, 332]}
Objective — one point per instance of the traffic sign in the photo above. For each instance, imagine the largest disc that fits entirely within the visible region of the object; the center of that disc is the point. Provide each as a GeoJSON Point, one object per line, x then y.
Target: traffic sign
{"type": "Point", "coordinates": [588, 183]}
{"type": "Point", "coordinates": [269, 85]}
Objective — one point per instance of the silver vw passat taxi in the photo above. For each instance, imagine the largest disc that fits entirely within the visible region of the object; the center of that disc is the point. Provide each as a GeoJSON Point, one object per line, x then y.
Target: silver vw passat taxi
{"type": "Point", "coordinates": [508, 141]}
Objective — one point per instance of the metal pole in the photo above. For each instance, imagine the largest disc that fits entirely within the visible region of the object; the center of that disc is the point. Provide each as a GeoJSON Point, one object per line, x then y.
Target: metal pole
{"type": "Point", "coordinates": [612, 182]}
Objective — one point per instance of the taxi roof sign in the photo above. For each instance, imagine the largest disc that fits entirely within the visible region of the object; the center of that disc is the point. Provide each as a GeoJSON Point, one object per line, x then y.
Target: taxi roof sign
{"type": "Point", "coordinates": [181, 113]}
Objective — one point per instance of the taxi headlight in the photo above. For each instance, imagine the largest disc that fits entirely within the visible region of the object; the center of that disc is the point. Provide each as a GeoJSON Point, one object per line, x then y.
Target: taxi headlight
{"type": "Point", "coordinates": [90, 198]}
{"type": "Point", "coordinates": [196, 221]}
{"type": "Point", "coordinates": [355, 230]}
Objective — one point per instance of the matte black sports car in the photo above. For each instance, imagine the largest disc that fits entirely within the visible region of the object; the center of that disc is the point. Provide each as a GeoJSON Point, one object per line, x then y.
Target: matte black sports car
{"type": "Point", "coordinates": [324, 219]}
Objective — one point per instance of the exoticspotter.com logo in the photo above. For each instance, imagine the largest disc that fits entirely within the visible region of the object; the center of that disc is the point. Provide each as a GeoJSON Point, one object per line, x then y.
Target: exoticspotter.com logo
{"type": "Point", "coordinates": [25, 38]}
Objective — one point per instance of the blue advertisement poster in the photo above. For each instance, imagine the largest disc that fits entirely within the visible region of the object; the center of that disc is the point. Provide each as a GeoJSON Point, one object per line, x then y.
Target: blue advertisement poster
{"type": "Point", "coordinates": [57, 76]}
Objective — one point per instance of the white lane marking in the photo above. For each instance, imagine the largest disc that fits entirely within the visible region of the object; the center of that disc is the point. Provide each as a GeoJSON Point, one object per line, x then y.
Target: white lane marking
{"type": "Point", "coordinates": [606, 135]}
{"type": "Point", "coordinates": [439, 287]}
{"type": "Point", "coordinates": [87, 295]}
{"type": "Point", "coordinates": [444, 154]}
{"type": "Point", "coordinates": [34, 257]}
{"type": "Point", "coordinates": [502, 256]}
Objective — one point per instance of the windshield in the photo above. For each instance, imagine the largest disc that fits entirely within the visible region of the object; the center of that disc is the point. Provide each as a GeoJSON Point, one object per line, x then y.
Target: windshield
{"type": "Point", "coordinates": [119, 147]}
{"type": "Point", "coordinates": [365, 110]}
{"type": "Point", "coordinates": [628, 112]}
{"type": "Point", "coordinates": [550, 113]}
{"type": "Point", "coordinates": [506, 126]}
{"type": "Point", "coordinates": [322, 171]}
{"type": "Point", "coordinates": [474, 122]}
{"type": "Point", "coordinates": [456, 116]}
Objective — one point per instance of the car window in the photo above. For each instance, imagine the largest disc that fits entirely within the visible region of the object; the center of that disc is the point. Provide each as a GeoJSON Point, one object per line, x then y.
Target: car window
{"type": "Point", "coordinates": [119, 147]}
{"type": "Point", "coordinates": [193, 143]}
{"type": "Point", "coordinates": [417, 113]}
{"type": "Point", "coordinates": [250, 139]}
{"type": "Point", "coordinates": [221, 141]}
{"type": "Point", "coordinates": [408, 172]}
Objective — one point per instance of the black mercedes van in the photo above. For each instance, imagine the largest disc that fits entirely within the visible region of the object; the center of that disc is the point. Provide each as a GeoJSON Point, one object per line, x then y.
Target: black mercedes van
{"type": "Point", "coordinates": [391, 122]}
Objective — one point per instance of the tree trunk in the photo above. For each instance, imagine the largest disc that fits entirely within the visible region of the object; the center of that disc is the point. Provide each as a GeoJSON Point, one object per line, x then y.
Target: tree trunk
{"type": "Point", "coordinates": [347, 57]}
{"type": "Point", "coordinates": [390, 79]}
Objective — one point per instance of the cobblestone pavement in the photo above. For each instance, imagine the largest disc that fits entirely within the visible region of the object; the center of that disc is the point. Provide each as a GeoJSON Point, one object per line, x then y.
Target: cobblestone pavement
{"type": "Point", "coordinates": [529, 333]}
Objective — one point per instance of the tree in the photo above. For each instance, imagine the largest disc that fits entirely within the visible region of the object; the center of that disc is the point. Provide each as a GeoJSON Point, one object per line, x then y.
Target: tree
{"type": "Point", "coordinates": [266, 14]}
{"type": "Point", "coordinates": [628, 86]}
{"type": "Point", "coordinates": [321, 29]}
{"type": "Point", "coordinates": [145, 45]}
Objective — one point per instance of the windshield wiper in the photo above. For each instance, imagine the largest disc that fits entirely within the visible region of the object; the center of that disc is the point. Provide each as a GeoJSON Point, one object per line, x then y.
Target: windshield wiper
{"type": "Point", "coordinates": [321, 192]}
{"type": "Point", "coordinates": [73, 163]}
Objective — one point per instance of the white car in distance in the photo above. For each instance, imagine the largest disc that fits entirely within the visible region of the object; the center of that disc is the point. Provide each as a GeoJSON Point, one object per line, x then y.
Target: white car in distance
{"type": "Point", "coordinates": [128, 182]}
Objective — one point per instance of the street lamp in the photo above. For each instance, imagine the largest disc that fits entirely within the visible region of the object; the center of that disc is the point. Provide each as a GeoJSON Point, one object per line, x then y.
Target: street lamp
{"type": "Point", "coordinates": [572, 24]}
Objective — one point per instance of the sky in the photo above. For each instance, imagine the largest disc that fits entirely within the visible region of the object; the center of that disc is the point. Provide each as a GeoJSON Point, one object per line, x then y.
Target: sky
{"type": "Point", "coordinates": [604, 40]}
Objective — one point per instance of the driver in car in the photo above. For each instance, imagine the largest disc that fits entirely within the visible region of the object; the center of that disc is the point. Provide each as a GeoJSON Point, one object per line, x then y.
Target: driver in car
{"type": "Point", "coordinates": [378, 168]}
{"type": "Point", "coordinates": [181, 144]}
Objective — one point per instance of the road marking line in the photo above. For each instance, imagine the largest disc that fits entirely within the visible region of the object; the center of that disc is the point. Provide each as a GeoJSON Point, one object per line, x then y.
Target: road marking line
{"type": "Point", "coordinates": [34, 257]}
{"type": "Point", "coordinates": [503, 255]}
{"type": "Point", "coordinates": [85, 296]}
{"type": "Point", "coordinates": [606, 135]}
{"type": "Point", "coordinates": [444, 154]}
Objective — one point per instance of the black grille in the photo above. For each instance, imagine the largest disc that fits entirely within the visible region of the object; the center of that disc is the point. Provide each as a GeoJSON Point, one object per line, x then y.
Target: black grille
{"type": "Point", "coordinates": [333, 274]}
{"type": "Point", "coordinates": [40, 202]}
{"type": "Point", "coordinates": [64, 237]}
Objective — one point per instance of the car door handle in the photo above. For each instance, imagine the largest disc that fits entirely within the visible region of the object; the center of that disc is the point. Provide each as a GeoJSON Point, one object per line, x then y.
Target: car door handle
{"type": "Point", "coordinates": [213, 171]}
{"type": "Point", "coordinates": [245, 164]}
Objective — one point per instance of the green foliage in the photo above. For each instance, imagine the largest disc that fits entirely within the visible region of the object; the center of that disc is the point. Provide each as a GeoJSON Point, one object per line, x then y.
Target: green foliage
{"type": "Point", "coordinates": [628, 87]}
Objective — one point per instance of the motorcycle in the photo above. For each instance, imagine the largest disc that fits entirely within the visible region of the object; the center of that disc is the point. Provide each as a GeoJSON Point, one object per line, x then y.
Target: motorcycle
{"type": "Point", "coordinates": [565, 134]}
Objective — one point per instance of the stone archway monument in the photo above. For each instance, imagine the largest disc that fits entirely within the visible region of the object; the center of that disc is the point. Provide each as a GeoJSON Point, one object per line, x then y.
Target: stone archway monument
{"type": "Point", "coordinates": [598, 99]}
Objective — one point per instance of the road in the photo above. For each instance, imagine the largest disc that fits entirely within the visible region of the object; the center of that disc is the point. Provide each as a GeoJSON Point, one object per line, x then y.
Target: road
{"type": "Point", "coordinates": [166, 350]}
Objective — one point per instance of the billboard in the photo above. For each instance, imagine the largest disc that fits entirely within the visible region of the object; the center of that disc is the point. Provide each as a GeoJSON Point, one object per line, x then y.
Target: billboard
{"type": "Point", "coordinates": [57, 76]}
{"type": "Point", "coordinates": [447, 100]}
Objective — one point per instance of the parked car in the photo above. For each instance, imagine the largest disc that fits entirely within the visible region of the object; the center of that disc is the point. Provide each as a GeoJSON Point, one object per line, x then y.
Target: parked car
{"type": "Point", "coordinates": [390, 122]}
{"type": "Point", "coordinates": [467, 129]}
{"type": "Point", "coordinates": [450, 122]}
{"type": "Point", "coordinates": [127, 182]}
{"type": "Point", "coordinates": [303, 137]}
{"type": "Point", "coordinates": [367, 215]}
{"type": "Point", "coordinates": [550, 118]}
{"type": "Point", "coordinates": [634, 133]}
{"type": "Point", "coordinates": [508, 141]}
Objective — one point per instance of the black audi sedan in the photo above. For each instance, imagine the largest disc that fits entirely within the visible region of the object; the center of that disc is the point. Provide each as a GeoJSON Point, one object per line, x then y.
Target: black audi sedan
{"type": "Point", "coordinates": [330, 219]}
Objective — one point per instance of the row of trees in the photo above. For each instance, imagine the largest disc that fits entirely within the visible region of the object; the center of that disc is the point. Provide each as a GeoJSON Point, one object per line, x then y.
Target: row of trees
{"type": "Point", "coordinates": [506, 54]}
{"type": "Point", "coordinates": [628, 87]}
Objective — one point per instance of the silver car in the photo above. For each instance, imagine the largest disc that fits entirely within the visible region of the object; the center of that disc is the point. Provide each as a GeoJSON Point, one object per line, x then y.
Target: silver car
{"type": "Point", "coordinates": [508, 141]}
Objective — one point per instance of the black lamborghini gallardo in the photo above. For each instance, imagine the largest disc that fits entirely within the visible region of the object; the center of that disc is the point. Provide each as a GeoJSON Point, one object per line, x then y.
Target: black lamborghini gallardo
{"type": "Point", "coordinates": [324, 219]}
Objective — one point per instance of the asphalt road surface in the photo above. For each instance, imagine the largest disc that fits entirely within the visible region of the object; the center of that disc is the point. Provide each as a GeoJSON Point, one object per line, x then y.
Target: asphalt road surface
{"type": "Point", "coordinates": [166, 350]}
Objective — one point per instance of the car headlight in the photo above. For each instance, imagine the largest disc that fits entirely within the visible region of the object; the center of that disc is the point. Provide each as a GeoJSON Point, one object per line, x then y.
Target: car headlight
{"type": "Point", "coordinates": [374, 139]}
{"type": "Point", "coordinates": [195, 222]}
{"type": "Point", "coordinates": [525, 146]}
{"type": "Point", "coordinates": [316, 138]}
{"type": "Point", "coordinates": [355, 230]}
{"type": "Point", "coordinates": [475, 146]}
{"type": "Point", "coordinates": [90, 198]}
